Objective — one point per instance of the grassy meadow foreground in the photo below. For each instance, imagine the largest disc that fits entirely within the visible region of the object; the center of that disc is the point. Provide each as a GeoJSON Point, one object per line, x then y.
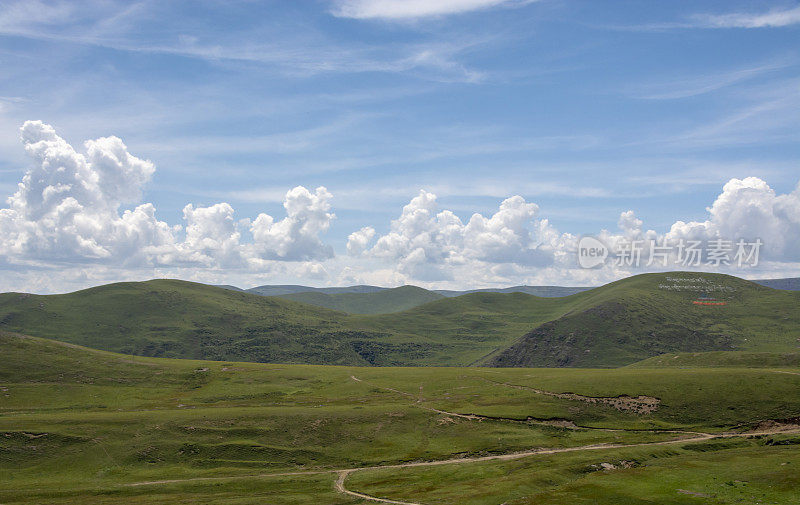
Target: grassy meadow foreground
{"type": "Point", "coordinates": [84, 426]}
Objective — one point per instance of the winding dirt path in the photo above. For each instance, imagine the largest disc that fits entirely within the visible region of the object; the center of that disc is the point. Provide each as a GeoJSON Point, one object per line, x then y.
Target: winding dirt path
{"type": "Point", "coordinates": [343, 473]}
{"type": "Point", "coordinates": [340, 487]}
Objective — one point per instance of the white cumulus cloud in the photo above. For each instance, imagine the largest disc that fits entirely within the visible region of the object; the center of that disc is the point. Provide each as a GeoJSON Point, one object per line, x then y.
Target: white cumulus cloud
{"type": "Point", "coordinates": [296, 237]}
{"type": "Point", "coordinates": [67, 209]}
{"type": "Point", "coordinates": [749, 208]}
{"type": "Point", "coordinates": [358, 241]}
{"type": "Point", "coordinates": [426, 242]}
{"type": "Point", "coordinates": [513, 245]}
{"type": "Point", "coordinates": [67, 205]}
{"type": "Point", "coordinates": [212, 237]}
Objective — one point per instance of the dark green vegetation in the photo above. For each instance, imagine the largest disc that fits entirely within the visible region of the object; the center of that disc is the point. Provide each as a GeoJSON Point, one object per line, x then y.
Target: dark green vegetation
{"type": "Point", "coordinates": [613, 325]}
{"type": "Point", "coordinates": [380, 302]}
{"type": "Point", "coordinates": [93, 427]}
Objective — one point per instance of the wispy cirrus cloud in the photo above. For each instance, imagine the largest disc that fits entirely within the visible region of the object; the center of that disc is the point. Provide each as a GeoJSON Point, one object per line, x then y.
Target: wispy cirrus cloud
{"type": "Point", "coordinates": [771, 19]}
{"type": "Point", "coordinates": [774, 18]}
{"type": "Point", "coordinates": [16, 15]}
{"type": "Point", "coordinates": [771, 116]}
{"type": "Point", "coordinates": [702, 84]}
{"type": "Point", "coordinates": [428, 61]}
{"type": "Point", "coordinates": [413, 9]}
{"type": "Point", "coordinates": [116, 26]}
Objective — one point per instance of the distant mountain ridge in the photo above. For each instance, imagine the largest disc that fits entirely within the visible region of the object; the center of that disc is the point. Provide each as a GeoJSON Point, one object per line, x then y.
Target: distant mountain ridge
{"type": "Point", "coordinates": [788, 284]}
{"type": "Point", "coordinates": [542, 291]}
{"type": "Point", "coordinates": [288, 289]}
{"type": "Point", "coordinates": [365, 299]}
{"type": "Point", "coordinates": [384, 301]}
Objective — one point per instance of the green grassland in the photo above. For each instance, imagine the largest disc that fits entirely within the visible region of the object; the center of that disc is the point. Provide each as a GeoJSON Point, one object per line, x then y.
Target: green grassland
{"type": "Point", "coordinates": [381, 302]}
{"type": "Point", "coordinates": [84, 426]}
{"type": "Point", "coordinates": [614, 325]}
{"type": "Point", "coordinates": [721, 359]}
{"type": "Point", "coordinates": [719, 472]}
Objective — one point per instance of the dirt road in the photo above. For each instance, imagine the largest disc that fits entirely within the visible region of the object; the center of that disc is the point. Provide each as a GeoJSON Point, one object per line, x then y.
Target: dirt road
{"type": "Point", "coordinates": [343, 473]}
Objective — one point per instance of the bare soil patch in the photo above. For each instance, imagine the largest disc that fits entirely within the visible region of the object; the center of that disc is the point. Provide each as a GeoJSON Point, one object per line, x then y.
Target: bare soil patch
{"type": "Point", "coordinates": [641, 404]}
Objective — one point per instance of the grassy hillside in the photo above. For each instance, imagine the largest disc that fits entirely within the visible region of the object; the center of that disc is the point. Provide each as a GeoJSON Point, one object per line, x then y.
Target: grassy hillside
{"type": "Point", "coordinates": [721, 473]}
{"type": "Point", "coordinates": [172, 318]}
{"type": "Point", "coordinates": [380, 302]}
{"type": "Point", "coordinates": [721, 359]}
{"type": "Point", "coordinates": [228, 286]}
{"type": "Point", "coordinates": [614, 325]}
{"type": "Point", "coordinates": [182, 319]}
{"type": "Point", "coordinates": [653, 314]}
{"type": "Point", "coordinates": [84, 426]}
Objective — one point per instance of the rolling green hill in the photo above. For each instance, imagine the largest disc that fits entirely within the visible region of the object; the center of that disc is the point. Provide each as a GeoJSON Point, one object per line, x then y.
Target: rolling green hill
{"type": "Point", "coordinates": [653, 314]}
{"type": "Point", "coordinates": [173, 318]}
{"type": "Point", "coordinates": [379, 302]}
{"type": "Point", "coordinates": [613, 325]}
{"type": "Point", "coordinates": [181, 319]}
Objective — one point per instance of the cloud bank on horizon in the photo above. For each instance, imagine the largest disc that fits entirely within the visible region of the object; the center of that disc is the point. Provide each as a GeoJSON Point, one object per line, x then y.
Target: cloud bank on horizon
{"type": "Point", "coordinates": [67, 214]}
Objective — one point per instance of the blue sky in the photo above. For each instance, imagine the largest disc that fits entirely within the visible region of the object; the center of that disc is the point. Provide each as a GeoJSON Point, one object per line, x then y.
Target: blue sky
{"type": "Point", "coordinates": [587, 109]}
